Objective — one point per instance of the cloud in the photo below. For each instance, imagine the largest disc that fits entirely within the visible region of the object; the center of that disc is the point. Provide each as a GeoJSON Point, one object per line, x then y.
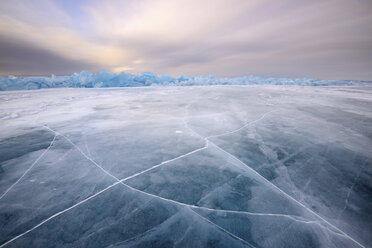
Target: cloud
{"type": "Point", "coordinates": [320, 38]}
{"type": "Point", "coordinates": [17, 58]}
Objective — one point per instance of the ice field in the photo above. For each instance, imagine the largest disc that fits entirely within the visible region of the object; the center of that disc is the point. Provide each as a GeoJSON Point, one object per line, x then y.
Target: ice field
{"type": "Point", "coordinates": [196, 166]}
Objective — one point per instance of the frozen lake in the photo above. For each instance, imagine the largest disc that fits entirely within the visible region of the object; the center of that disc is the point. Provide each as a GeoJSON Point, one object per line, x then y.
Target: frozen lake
{"type": "Point", "coordinates": [213, 166]}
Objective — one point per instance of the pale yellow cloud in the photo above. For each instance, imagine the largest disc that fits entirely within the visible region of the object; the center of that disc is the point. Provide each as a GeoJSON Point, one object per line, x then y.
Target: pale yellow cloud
{"type": "Point", "coordinates": [122, 69]}
{"type": "Point", "coordinates": [61, 39]}
{"type": "Point", "coordinates": [173, 20]}
{"type": "Point", "coordinates": [223, 37]}
{"type": "Point", "coordinates": [64, 42]}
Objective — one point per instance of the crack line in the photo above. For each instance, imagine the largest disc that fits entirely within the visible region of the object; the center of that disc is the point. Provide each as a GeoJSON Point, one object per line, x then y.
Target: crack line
{"type": "Point", "coordinates": [121, 181]}
{"type": "Point", "coordinates": [224, 230]}
{"type": "Point", "coordinates": [78, 148]}
{"type": "Point", "coordinates": [33, 164]}
{"type": "Point", "coordinates": [290, 197]}
{"type": "Point", "coordinates": [57, 214]}
{"type": "Point", "coordinates": [351, 189]}
{"type": "Point", "coordinates": [143, 192]}
{"type": "Point", "coordinates": [270, 183]}
{"type": "Point", "coordinates": [242, 127]}
{"type": "Point", "coordinates": [167, 161]}
{"type": "Point", "coordinates": [169, 200]}
{"type": "Point", "coordinates": [233, 211]}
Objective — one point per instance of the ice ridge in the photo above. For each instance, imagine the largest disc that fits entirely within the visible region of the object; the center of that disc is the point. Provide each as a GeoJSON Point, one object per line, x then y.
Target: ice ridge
{"type": "Point", "coordinates": [103, 79]}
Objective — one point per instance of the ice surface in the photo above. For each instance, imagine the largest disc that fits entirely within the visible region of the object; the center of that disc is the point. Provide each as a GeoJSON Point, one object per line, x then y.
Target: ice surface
{"type": "Point", "coordinates": [86, 79]}
{"type": "Point", "coordinates": [216, 166]}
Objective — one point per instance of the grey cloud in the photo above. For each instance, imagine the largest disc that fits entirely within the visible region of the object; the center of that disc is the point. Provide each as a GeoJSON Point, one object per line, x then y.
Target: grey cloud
{"type": "Point", "coordinates": [19, 58]}
{"type": "Point", "coordinates": [320, 39]}
{"type": "Point", "coordinates": [291, 38]}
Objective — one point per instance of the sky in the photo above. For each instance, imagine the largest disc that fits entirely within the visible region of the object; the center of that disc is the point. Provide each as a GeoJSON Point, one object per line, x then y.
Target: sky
{"type": "Point", "coordinates": [326, 39]}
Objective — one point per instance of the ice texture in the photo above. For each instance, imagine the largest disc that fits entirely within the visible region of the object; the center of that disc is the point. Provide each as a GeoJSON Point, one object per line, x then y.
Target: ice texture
{"type": "Point", "coordinates": [103, 79]}
{"type": "Point", "coordinates": [216, 166]}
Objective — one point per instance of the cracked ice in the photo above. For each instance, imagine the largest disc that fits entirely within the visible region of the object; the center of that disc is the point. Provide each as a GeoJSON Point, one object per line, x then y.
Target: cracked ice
{"type": "Point", "coordinates": [236, 166]}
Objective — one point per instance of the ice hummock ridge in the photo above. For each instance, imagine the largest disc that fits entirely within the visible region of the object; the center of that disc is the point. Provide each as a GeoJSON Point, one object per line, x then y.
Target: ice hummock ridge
{"type": "Point", "coordinates": [103, 79]}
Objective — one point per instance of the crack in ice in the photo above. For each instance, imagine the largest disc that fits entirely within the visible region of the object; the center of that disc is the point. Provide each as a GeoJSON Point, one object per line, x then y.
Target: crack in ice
{"type": "Point", "coordinates": [167, 161]}
{"type": "Point", "coordinates": [292, 217]}
{"type": "Point", "coordinates": [87, 157]}
{"type": "Point", "coordinates": [121, 181]}
{"type": "Point", "coordinates": [224, 230]}
{"type": "Point", "coordinates": [86, 146]}
{"type": "Point", "coordinates": [290, 197]}
{"type": "Point", "coordinates": [351, 189]}
{"type": "Point", "coordinates": [242, 127]}
{"type": "Point", "coordinates": [57, 214]}
{"type": "Point", "coordinates": [33, 164]}
{"type": "Point", "coordinates": [270, 183]}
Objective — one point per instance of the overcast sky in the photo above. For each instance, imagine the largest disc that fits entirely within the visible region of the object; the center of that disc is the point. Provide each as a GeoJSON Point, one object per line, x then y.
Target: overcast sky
{"type": "Point", "coordinates": [327, 39]}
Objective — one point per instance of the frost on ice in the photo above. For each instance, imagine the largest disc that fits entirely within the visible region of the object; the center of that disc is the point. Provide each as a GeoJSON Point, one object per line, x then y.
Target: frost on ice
{"type": "Point", "coordinates": [237, 166]}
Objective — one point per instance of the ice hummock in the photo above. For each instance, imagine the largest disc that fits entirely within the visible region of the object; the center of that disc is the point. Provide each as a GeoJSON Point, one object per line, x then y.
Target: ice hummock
{"type": "Point", "coordinates": [103, 79]}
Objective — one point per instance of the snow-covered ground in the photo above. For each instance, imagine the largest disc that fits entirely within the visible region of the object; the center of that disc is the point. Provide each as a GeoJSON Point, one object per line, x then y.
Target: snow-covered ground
{"type": "Point", "coordinates": [215, 166]}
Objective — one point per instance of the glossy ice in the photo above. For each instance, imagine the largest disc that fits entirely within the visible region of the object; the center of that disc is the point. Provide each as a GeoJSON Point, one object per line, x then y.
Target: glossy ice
{"type": "Point", "coordinates": [213, 166]}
